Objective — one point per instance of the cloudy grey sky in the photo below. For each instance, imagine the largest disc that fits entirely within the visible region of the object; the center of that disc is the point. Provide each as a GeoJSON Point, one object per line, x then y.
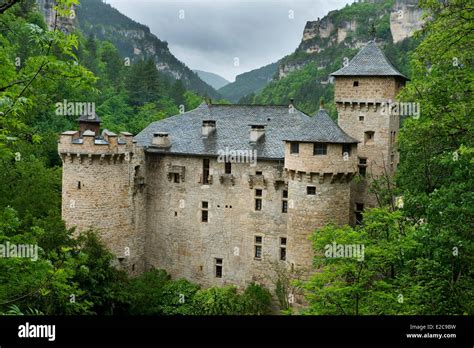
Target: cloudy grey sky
{"type": "Point", "coordinates": [210, 34]}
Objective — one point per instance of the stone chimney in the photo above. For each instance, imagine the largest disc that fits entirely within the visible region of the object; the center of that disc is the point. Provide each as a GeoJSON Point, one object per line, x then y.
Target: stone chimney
{"type": "Point", "coordinates": [208, 127]}
{"type": "Point", "coordinates": [257, 131]}
{"type": "Point", "coordinates": [161, 140]}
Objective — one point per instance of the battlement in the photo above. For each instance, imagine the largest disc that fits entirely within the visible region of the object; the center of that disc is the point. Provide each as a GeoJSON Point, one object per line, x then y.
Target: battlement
{"type": "Point", "coordinates": [109, 146]}
{"type": "Point", "coordinates": [333, 163]}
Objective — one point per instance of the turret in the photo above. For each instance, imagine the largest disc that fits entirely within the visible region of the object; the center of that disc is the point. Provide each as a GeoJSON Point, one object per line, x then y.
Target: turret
{"type": "Point", "coordinates": [98, 188]}
{"type": "Point", "coordinates": [320, 162]}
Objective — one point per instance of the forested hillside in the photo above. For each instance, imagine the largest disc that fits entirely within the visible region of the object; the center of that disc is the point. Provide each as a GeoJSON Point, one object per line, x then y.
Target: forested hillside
{"type": "Point", "coordinates": [249, 83]}
{"type": "Point", "coordinates": [135, 41]}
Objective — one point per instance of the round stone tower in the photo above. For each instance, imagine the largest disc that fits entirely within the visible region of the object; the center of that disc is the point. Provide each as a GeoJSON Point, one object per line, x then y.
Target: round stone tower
{"type": "Point", "coordinates": [320, 163]}
{"type": "Point", "coordinates": [100, 185]}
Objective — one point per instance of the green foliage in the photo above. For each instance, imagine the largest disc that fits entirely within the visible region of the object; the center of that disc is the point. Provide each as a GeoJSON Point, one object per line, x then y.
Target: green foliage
{"type": "Point", "coordinates": [256, 300]}
{"type": "Point", "coordinates": [418, 260]}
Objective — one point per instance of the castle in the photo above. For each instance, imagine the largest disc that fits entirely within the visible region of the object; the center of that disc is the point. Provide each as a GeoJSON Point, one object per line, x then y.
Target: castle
{"type": "Point", "coordinates": [225, 194]}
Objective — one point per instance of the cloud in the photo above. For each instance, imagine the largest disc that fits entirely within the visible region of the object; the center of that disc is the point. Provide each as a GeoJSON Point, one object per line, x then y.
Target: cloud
{"type": "Point", "coordinates": [209, 34]}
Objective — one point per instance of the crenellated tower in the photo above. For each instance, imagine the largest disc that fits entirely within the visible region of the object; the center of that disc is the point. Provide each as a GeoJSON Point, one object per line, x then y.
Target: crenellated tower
{"type": "Point", "coordinates": [365, 91]}
{"type": "Point", "coordinates": [101, 189]}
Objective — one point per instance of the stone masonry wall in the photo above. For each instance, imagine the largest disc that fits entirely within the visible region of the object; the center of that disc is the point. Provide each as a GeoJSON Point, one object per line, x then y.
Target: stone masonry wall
{"type": "Point", "coordinates": [179, 242]}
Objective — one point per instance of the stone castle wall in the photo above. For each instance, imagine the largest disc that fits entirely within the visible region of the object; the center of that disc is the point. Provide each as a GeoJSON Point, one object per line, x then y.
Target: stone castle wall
{"type": "Point", "coordinates": [181, 243]}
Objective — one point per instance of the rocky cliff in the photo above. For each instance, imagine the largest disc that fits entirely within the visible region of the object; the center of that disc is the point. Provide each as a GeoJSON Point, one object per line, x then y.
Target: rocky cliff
{"type": "Point", "coordinates": [394, 21]}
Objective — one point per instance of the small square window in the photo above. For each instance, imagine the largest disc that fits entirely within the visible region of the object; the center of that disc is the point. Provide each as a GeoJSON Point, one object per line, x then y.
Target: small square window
{"type": "Point", "coordinates": [258, 193]}
{"type": "Point", "coordinates": [285, 193]}
{"type": "Point", "coordinates": [258, 173]}
{"type": "Point", "coordinates": [258, 204]}
{"type": "Point", "coordinates": [359, 207]}
{"type": "Point", "coordinates": [320, 149]}
{"type": "Point", "coordinates": [205, 205]}
{"type": "Point", "coordinates": [204, 216]}
{"type": "Point", "coordinates": [363, 161]}
{"type": "Point", "coordinates": [282, 241]}
{"type": "Point", "coordinates": [311, 190]}
{"type": "Point", "coordinates": [369, 137]}
{"type": "Point", "coordinates": [356, 84]}
{"type": "Point", "coordinates": [295, 148]}
{"type": "Point", "coordinates": [361, 117]}
{"type": "Point", "coordinates": [258, 239]}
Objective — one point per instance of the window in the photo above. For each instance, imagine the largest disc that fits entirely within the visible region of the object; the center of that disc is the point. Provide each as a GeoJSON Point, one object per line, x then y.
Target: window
{"type": "Point", "coordinates": [356, 84]}
{"type": "Point", "coordinates": [320, 149]}
{"type": "Point", "coordinates": [361, 117]}
{"type": "Point", "coordinates": [218, 263]}
{"type": "Point", "coordinates": [176, 178]}
{"type": "Point", "coordinates": [369, 137]}
{"type": "Point", "coordinates": [258, 173]}
{"type": "Point", "coordinates": [205, 212]}
{"type": "Point", "coordinates": [294, 148]}
{"type": "Point", "coordinates": [311, 190]}
{"type": "Point", "coordinates": [205, 171]}
{"type": "Point", "coordinates": [284, 202]}
{"type": "Point", "coordinates": [258, 247]}
{"type": "Point", "coordinates": [346, 148]}
{"type": "Point", "coordinates": [362, 166]}
{"type": "Point", "coordinates": [78, 185]}
{"type": "Point", "coordinates": [228, 167]}
{"type": "Point", "coordinates": [258, 201]}
{"type": "Point", "coordinates": [358, 213]}
{"type": "Point", "coordinates": [282, 249]}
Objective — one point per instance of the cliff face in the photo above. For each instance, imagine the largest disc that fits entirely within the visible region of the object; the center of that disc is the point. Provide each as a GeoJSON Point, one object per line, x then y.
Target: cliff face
{"type": "Point", "coordinates": [405, 19]}
{"type": "Point", "coordinates": [394, 22]}
{"type": "Point", "coordinates": [46, 7]}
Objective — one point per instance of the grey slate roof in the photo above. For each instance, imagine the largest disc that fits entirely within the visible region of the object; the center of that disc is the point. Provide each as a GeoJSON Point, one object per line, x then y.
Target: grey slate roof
{"type": "Point", "coordinates": [233, 130]}
{"type": "Point", "coordinates": [321, 129]}
{"type": "Point", "coordinates": [370, 61]}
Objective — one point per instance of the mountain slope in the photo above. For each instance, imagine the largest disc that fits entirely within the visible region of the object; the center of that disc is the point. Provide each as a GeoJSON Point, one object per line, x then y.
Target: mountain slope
{"type": "Point", "coordinates": [249, 82]}
{"type": "Point", "coordinates": [214, 80]}
{"type": "Point", "coordinates": [337, 37]}
{"type": "Point", "coordinates": [135, 41]}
